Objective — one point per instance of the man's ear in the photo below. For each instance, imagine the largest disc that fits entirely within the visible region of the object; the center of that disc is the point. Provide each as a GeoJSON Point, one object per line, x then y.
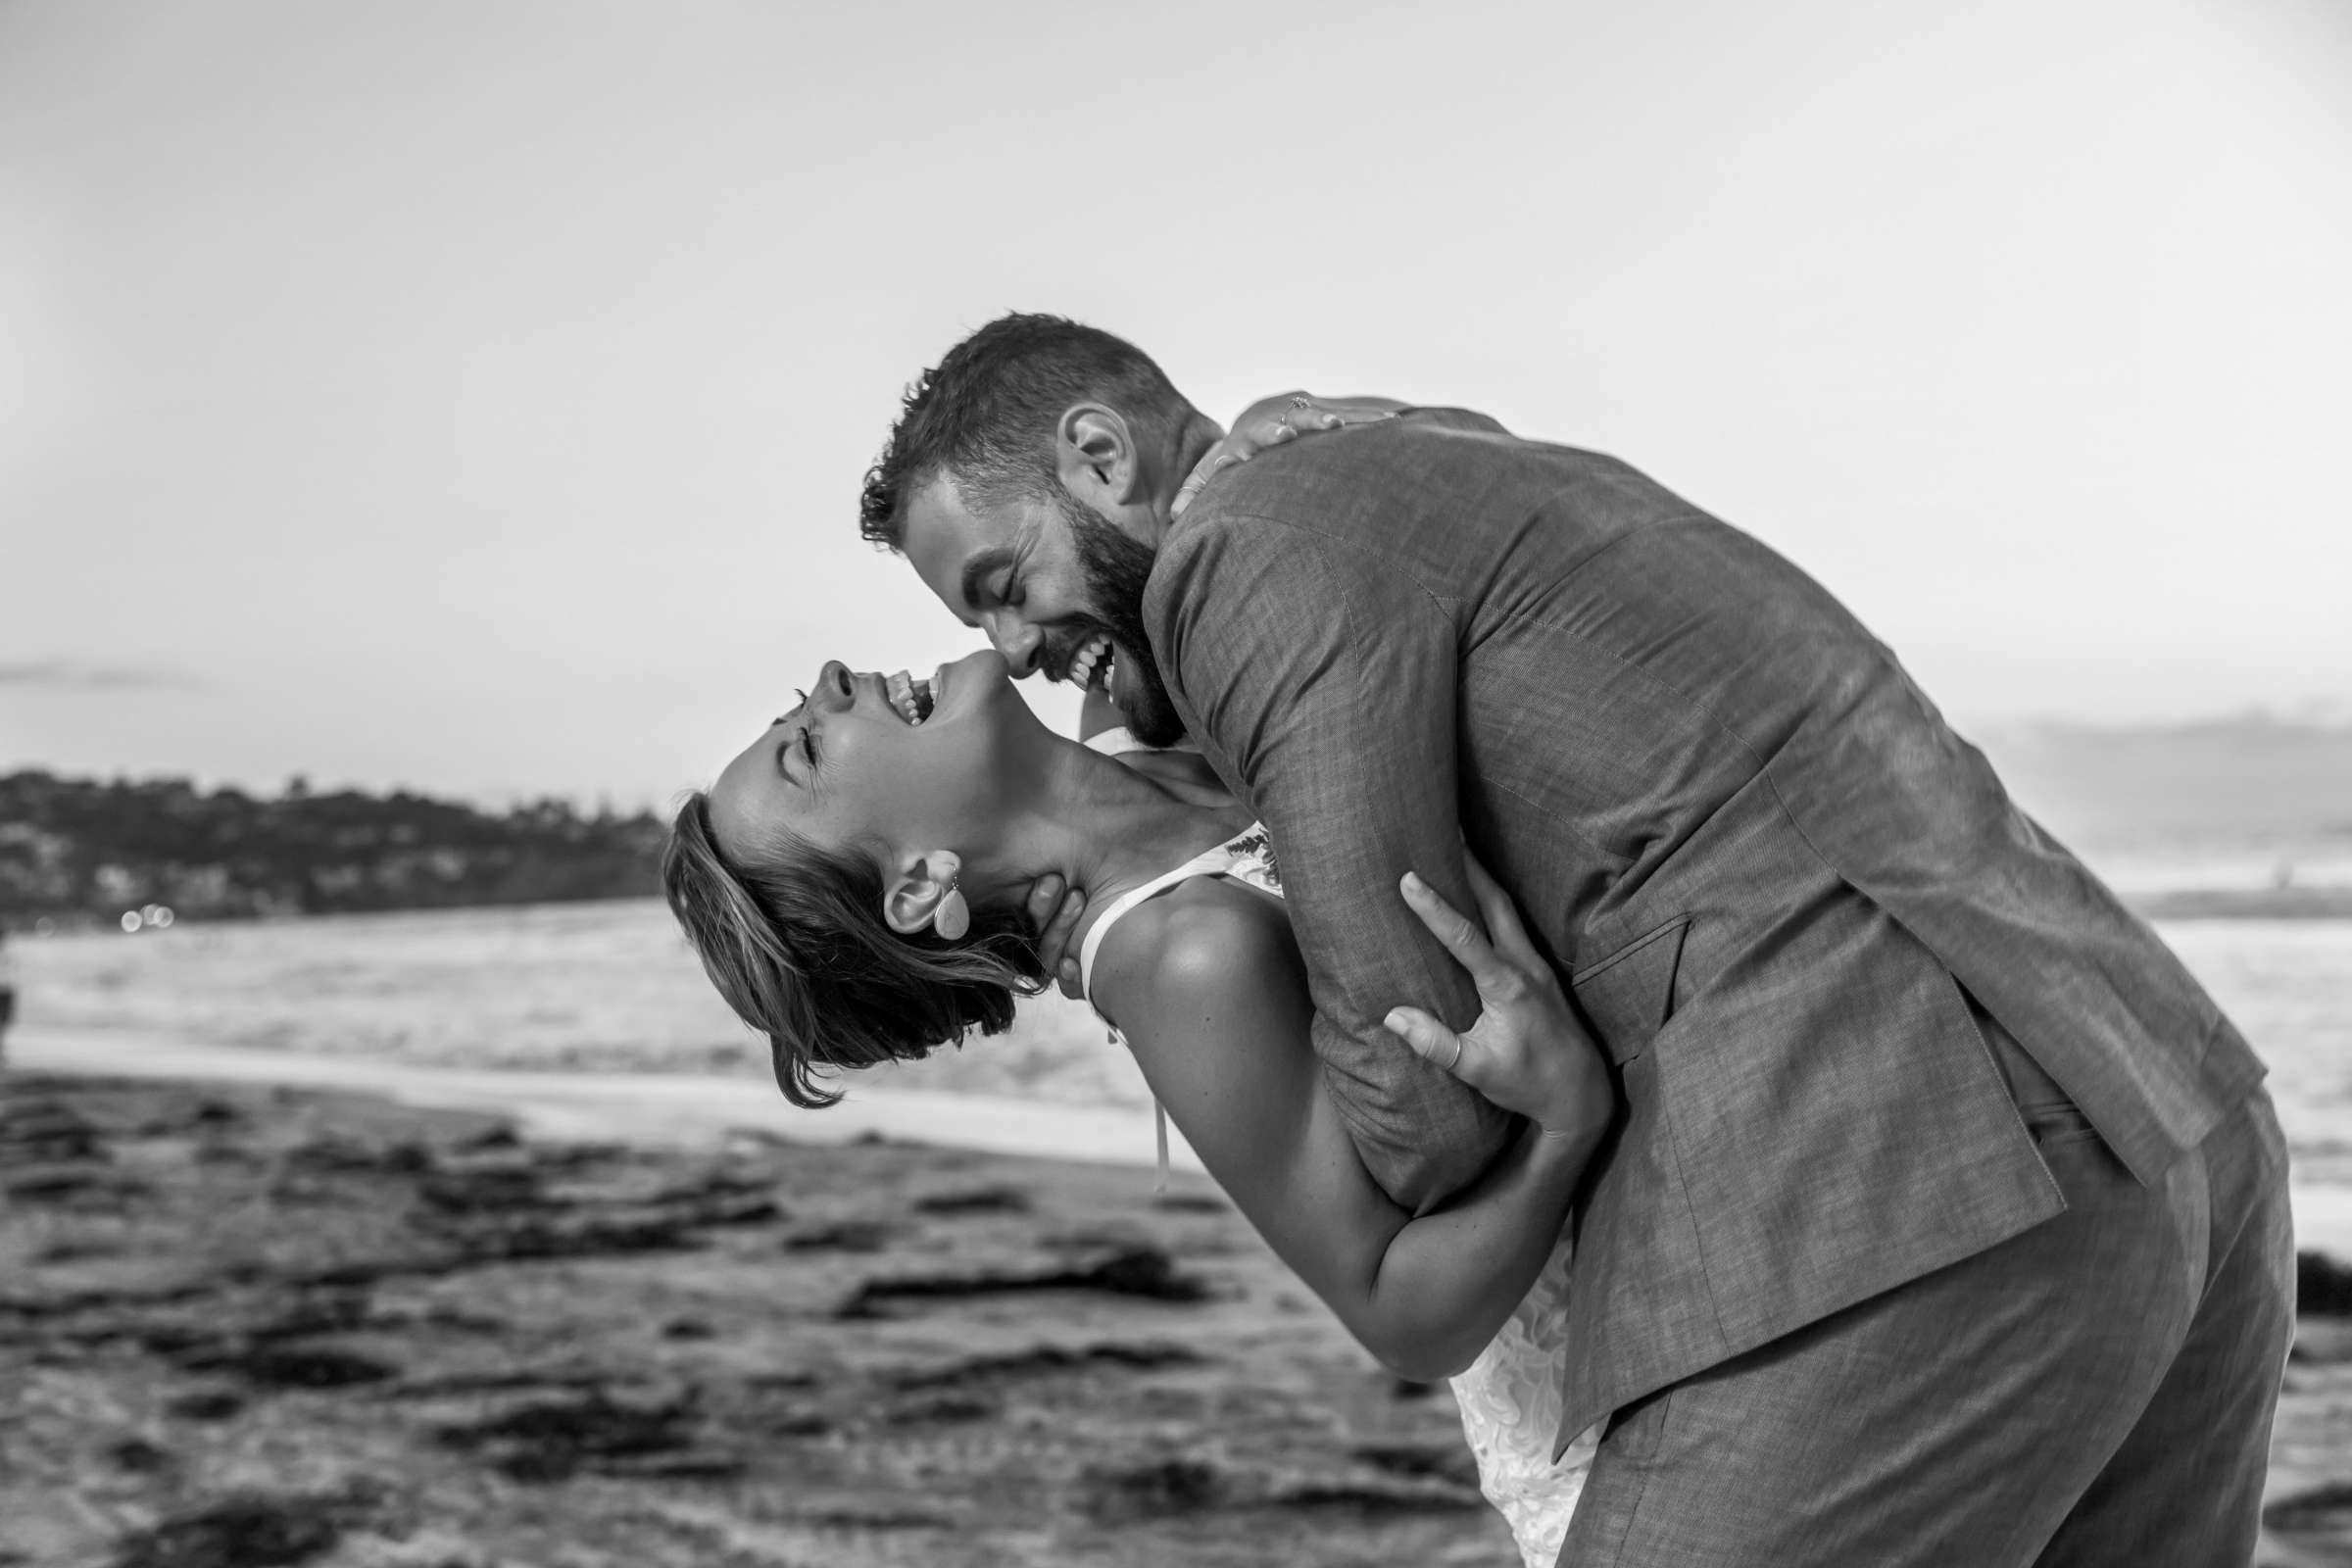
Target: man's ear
{"type": "Point", "coordinates": [912, 896]}
{"type": "Point", "coordinates": [1095, 457]}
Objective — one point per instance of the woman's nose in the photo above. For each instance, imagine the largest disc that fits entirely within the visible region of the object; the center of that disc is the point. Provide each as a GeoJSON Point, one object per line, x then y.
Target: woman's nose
{"type": "Point", "coordinates": [832, 690]}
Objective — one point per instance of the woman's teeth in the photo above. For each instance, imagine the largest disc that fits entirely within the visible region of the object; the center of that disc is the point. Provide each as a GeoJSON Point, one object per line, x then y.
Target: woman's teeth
{"type": "Point", "coordinates": [911, 697]}
{"type": "Point", "coordinates": [1092, 665]}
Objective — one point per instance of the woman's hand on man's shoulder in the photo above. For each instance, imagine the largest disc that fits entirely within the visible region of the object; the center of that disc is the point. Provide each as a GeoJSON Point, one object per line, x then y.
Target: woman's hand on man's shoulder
{"type": "Point", "coordinates": [1277, 421]}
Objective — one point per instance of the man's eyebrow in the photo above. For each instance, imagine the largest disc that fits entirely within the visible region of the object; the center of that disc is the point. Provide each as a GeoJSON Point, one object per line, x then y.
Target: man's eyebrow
{"type": "Point", "coordinates": [994, 559]}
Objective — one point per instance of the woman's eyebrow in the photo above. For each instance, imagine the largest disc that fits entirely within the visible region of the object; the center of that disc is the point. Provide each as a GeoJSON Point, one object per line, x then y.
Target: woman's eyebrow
{"type": "Point", "coordinates": [790, 713]}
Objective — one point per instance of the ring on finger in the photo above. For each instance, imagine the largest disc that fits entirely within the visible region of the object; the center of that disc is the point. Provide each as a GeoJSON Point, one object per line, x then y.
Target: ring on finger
{"type": "Point", "coordinates": [1455, 1061]}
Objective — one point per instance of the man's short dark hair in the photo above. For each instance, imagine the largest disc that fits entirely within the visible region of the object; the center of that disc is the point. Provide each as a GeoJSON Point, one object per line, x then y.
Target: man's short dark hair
{"type": "Point", "coordinates": [985, 414]}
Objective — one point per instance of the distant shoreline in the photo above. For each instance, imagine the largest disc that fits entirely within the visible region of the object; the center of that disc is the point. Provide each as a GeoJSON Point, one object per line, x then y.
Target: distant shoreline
{"type": "Point", "coordinates": [2319, 903]}
{"type": "Point", "coordinates": [2245, 904]}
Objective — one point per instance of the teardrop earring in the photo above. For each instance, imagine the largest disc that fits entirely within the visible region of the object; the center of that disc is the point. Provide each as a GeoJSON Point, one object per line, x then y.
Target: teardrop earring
{"type": "Point", "coordinates": [953, 917]}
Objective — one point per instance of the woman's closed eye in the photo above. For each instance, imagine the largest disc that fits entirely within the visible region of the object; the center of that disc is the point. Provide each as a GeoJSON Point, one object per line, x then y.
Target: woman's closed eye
{"type": "Point", "coordinates": [800, 744]}
{"type": "Point", "coordinates": [805, 739]}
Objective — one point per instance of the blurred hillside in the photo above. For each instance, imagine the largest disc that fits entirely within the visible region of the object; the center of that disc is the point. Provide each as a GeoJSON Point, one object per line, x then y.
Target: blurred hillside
{"type": "Point", "coordinates": [2248, 781]}
{"type": "Point", "coordinates": [77, 850]}
{"type": "Point", "coordinates": [2248, 817]}
{"type": "Point", "coordinates": [2238, 815]}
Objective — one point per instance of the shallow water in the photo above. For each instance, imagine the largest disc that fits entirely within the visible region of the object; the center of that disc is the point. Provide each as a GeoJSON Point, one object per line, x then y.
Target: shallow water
{"type": "Point", "coordinates": [612, 987]}
{"type": "Point", "coordinates": [575, 986]}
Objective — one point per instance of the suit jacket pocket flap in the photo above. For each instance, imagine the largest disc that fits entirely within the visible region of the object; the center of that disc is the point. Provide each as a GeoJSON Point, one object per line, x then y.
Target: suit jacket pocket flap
{"type": "Point", "coordinates": [1629, 994]}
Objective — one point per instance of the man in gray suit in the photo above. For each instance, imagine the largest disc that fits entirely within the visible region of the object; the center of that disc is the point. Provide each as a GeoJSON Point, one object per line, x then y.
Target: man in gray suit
{"type": "Point", "coordinates": [1945, 1221]}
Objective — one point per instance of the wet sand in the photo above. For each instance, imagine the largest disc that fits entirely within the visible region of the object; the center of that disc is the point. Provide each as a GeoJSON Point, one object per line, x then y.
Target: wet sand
{"type": "Point", "coordinates": [246, 1325]}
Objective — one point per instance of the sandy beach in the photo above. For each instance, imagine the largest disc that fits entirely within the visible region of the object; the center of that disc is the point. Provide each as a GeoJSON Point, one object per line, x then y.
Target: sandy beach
{"type": "Point", "coordinates": [255, 1324]}
{"type": "Point", "coordinates": [248, 1325]}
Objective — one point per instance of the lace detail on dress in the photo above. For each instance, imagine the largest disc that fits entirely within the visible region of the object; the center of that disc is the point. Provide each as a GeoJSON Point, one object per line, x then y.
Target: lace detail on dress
{"type": "Point", "coordinates": [1247, 858]}
{"type": "Point", "coordinates": [1254, 860]}
{"type": "Point", "coordinates": [1510, 1403]}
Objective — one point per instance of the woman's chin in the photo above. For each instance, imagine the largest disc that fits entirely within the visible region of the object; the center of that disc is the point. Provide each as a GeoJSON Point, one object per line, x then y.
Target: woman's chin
{"type": "Point", "coordinates": [974, 678]}
{"type": "Point", "coordinates": [980, 687]}
{"type": "Point", "coordinates": [986, 665]}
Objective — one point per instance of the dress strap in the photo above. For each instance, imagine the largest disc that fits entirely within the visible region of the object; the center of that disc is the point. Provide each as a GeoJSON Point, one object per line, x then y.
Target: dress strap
{"type": "Point", "coordinates": [1249, 841]}
{"type": "Point", "coordinates": [1119, 741]}
{"type": "Point", "coordinates": [1206, 863]}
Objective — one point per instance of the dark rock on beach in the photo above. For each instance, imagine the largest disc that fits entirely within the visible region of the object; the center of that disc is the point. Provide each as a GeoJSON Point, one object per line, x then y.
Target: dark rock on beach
{"type": "Point", "coordinates": [2307, 1512]}
{"type": "Point", "coordinates": [245, 1529]}
{"type": "Point", "coordinates": [550, 1440]}
{"type": "Point", "coordinates": [974, 1200]}
{"type": "Point", "coordinates": [1139, 1271]}
{"type": "Point", "coordinates": [2323, 1286]}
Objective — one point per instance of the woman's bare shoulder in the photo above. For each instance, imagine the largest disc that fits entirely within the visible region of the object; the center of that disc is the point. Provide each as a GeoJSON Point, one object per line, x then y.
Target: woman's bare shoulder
{"type": "Point", "coordinates": [1205, 940]}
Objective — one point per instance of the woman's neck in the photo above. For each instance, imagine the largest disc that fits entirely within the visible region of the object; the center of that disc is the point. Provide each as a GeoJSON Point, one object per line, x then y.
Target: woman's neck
{"type": "Point", "coordinates": [1125, 828]}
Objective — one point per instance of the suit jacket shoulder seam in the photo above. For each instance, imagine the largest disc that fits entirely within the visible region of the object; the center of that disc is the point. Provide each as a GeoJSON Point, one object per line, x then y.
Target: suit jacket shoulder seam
{"type": "Point", "coordinates": [1447, 604]}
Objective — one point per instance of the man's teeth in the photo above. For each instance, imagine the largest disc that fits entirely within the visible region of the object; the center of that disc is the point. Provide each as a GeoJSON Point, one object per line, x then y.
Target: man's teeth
{"type": "Point", "coordinates": [911, 697]}
{"type": "Point", "coordinates": [1093, 660]}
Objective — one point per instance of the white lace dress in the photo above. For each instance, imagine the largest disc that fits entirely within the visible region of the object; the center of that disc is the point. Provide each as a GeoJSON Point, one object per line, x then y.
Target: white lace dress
{"type": "Point", "coordinates": [1510, 1395]}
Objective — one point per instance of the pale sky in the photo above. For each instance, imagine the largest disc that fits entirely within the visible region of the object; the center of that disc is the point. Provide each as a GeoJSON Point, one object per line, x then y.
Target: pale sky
{"type": "Point", "coordinates": [474, 398]}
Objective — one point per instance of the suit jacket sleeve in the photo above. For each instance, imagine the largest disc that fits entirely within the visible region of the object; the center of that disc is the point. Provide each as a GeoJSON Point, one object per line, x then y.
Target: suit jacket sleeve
{"type": "Point", "coordinates": [1321, 680]}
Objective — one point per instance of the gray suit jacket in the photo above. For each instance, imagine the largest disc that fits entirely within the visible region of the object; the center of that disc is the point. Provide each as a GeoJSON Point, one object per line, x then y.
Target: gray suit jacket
{"type": "Point", "coordinates": [1765, 863]}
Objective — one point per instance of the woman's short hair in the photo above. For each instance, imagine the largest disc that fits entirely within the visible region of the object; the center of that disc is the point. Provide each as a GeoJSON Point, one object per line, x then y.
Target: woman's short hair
{"type": "Point", "coordinates": [795, 941]}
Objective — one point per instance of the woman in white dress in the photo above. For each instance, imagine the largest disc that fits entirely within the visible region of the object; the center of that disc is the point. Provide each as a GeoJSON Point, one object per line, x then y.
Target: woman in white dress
{"type": "Point", "coordinates": [855, 886]}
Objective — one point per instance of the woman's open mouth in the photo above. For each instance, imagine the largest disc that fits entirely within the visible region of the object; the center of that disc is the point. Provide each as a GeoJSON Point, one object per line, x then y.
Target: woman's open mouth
{"type": "Point", "coordinates": [913, 699]}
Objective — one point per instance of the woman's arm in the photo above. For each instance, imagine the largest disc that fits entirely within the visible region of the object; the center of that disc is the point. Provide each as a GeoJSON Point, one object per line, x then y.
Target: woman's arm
{"type": "Point", "coordinates": [1220, 1012]}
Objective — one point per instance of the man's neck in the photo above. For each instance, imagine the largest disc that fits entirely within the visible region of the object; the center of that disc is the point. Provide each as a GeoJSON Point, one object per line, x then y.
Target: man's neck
{"type": "Point", "coordinates": [1201, 432]}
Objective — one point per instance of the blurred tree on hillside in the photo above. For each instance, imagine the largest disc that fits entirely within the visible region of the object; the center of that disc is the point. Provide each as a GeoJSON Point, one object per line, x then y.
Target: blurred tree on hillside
{"type": "Point", "coordinates": [85, 848]}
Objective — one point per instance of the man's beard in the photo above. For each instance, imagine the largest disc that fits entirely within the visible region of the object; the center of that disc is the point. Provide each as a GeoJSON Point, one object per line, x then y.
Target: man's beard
{"type": "Point", "coordinates": [1117, 569]}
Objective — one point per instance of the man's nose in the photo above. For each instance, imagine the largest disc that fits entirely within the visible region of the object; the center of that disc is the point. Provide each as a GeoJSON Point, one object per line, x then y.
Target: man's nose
{"type": "Point", "coordinates": [1020, 642]}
